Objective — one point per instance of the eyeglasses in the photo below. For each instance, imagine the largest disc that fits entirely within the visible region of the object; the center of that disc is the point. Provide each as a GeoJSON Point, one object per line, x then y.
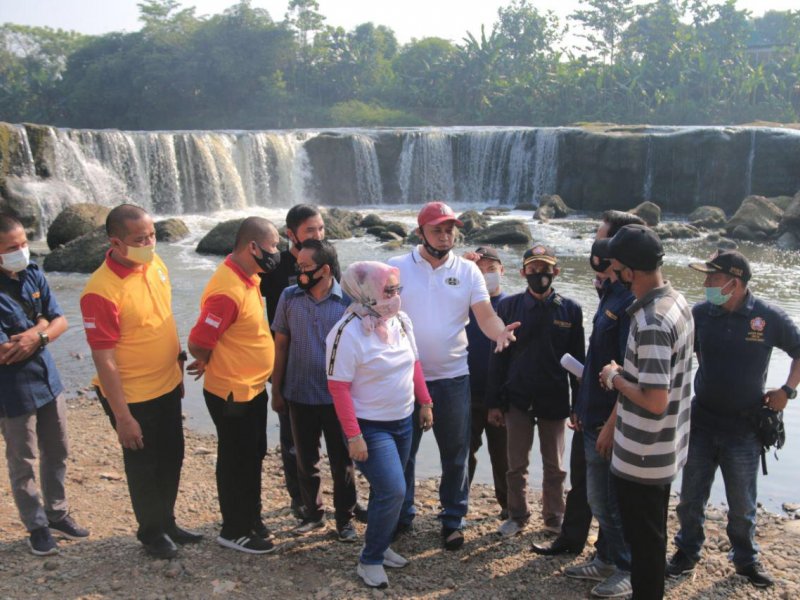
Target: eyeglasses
{"type": "Point", "coordinates": [395, 290]}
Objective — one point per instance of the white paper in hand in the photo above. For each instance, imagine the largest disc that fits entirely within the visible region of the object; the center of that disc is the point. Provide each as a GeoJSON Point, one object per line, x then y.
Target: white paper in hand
{"type": "Point", "coordinates": [573, 365]}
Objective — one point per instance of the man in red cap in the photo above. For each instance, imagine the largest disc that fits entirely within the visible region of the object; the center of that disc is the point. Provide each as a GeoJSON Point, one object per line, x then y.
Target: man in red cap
{"type": "Point", "coordinates": [439, 289]}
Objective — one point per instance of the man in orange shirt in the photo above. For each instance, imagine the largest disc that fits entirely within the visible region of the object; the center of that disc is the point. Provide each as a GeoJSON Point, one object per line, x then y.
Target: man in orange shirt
{"type": "Point", "coordinates": [233, 348]}
{"type": "Point", "coordinates": [127, 316]}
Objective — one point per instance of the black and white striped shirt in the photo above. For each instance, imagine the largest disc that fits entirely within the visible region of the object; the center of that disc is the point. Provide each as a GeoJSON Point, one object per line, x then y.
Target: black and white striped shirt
{"type": "Point", "coordinates": [650, 448]}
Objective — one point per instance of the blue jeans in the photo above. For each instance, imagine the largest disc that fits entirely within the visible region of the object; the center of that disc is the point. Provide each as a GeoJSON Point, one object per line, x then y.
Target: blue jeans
{"type": "Point", "coordinates": [451, 428]}
{"type": "Point", "coordinates": [602, 496]}
{"type": "Point", "coordinates": [388, 448]}
{"type": "Point", "coordinates": [737, 455]}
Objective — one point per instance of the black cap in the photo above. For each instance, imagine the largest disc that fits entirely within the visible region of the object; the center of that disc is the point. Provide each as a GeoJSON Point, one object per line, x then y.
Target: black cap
{"type": "Point", "coordinates": [539, 252]}
{"type": "Point", "coordinates": [488, 253]}
{"type": "Point", "coordinates": [729, 262]}
{"type": "Point", "coordinates": [635, 246]}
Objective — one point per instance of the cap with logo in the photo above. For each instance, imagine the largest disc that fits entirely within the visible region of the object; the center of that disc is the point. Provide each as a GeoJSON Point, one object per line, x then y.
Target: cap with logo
{"type": "Point", "coordinates": [636, 246]}
{"type": "Point", "coordinates": [434, 213]}
{"type": "Point", "coordinates": [488, 253]}
{"type": "Point", "coordinates": [729, 262]}
{"type": "Point", "coordinates": [539, 252]}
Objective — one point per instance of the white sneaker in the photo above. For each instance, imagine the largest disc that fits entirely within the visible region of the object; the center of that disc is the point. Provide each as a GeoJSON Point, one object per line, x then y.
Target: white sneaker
{"type": "Point", "coordinates": [393, 560]}
{"type": "Point", "coordinates": [594, 570]}
{"type": "Point", "coordinates": [510, 528]}
{"type": "Point", "coordinates": [373, 575]}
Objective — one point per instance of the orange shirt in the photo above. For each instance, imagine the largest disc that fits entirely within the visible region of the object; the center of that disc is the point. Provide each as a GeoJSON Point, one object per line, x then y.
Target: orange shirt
{"type": "Point", "coordinates": [233, 324]}
{"type": "Point", "coordinates": [130, 311]}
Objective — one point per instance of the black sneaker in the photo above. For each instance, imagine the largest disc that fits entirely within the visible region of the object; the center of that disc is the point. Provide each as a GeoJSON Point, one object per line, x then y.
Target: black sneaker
{"type": "Point", "coordinates": [249, 544]}
{"type": "Point", "coordinates": [69, 529]}
{"type": "Point", "coordinates": [360, 513]}
{"type": "Point", "coordinates": [161, 547]}
{"type": "Point", "coordinates": [262, 530]}
{"type": "Point", "coordinates": [756, 574]}
{"type": "Point", "coordinates": [679, 564]}
{"type": "Point", "coordinates": [182, 537]}
{"type": "Point", "coordinates": [41, 542]}
{"type": "Point", "coordinates": [298, 510]}
{"type": "Point", "coordinates": [347, 533]}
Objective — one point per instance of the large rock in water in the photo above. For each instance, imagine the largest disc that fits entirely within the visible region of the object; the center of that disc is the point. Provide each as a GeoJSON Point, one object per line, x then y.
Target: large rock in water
{"type": "Point", "coordinates": [649, 212]}
{"type": "Point", "coordinates": [756, 219]}
{"type": "Point", "coordinates": [551, 207]}
{"type": "Point", "coordinates": [340, 224]}
{"type": "Point", "coordinates": [512, 232]}
{"type": "Point", "coordinates": [81, 255]}
{"type": "Point", "coordinates": [75, 221]}
{"type": "Point", "coordinates": [710, 217]}
{"type": "Point", "coordinates": [220, 239]}
{"type": "Point", "coordinates": [472, 220]}
{"type": "Point", "coordinates": [171, 230]}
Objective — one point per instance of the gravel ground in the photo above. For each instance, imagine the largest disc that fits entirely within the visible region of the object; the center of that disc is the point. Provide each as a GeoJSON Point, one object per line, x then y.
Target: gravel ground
{"type": "Point", "coordinates": [111, 563]}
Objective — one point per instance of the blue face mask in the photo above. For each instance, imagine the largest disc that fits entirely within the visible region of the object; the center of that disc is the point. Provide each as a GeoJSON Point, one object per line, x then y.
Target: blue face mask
{"type": "Point", "coordinates": [715, 295]}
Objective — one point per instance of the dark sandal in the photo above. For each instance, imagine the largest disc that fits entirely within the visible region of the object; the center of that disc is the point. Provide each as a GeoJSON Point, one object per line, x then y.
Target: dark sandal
{"type": "Point", "coordinates": [453, 538]}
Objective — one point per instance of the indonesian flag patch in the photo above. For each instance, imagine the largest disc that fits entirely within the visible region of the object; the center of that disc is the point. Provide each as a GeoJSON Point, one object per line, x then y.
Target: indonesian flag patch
{"type": "Point", "coordinates": [89, 323]}
{"type": "Point", "coordinates": [213, 320]}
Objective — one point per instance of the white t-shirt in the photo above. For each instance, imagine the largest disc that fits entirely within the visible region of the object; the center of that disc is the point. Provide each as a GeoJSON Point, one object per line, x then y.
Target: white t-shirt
{"type": "Point", "coordinates": [438, 302]}
{"type": "Point", "coordinates": [381, 374]}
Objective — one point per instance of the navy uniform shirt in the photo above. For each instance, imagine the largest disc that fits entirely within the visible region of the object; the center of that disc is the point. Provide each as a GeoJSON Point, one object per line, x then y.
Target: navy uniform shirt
{"type": "Point", "coordinates": [528, 374]}
{"type": "Point", "coordinates": [479, 348]}
{"type": "Point", "coordinates": [733, 350]}
{"type": "Point", "coordinates": [32, 383]}
{"type": "Point", "coordinates": [607, 342]}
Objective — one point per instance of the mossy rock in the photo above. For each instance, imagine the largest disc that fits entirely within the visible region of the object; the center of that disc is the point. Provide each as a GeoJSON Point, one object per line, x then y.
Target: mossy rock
{"type": "Point", "coordinates": [171, 230]}
{"type": "Point", "coordinates": [82, 255]}
{"type": "Point", "coordinates": [74, 221]}
{"type": "Point", "coordinates": [220, 240]}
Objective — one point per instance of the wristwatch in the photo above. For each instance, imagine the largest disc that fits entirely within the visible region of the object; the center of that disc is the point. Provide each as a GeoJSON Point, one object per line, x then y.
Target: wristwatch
{"type": "Point", "coordinates": [791, 393]}
{"type": "Point", "coordinates": [44, 339]}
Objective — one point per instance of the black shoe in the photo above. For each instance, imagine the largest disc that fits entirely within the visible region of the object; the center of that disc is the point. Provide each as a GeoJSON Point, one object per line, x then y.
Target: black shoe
{"type": "Point", "coordinates": [262, 530]}
{"type": "Point", "coordinates": [504, 514]}
{"type": "Point", "coordinates": [360, 513]}
{"type": "Point", "coordinates": [69, 529]}
{"type": "Point", "coordinates": [679, 564]}
{"type": "Point", "coordinates": [248, 544]}
{"type": "Point", "coordinates": [347, 533]}
{"type": "Point", "coordinates": [41, 542]}
{"type": "Point", "coordinates": [161, 547]}
{"type": "Point", "coordinates": [402, 529]}
{"type": "Point", "coordinates": [452, 539]}
{"type": "Point", "coordinates": [298, 510]}
{"type": "Point", "coordinates": [181, 536]}
{"type": "Point", "coordinates": [559, 546]}
{"type": "Point", "coordinates": [756, 574]}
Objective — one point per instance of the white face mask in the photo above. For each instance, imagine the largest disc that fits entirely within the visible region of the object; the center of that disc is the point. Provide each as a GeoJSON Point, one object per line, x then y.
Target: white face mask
{"type": "Point", "coordinates": [16, 261]}
{"type": "Point", "coordinates": [492, 281]}
{"type": "Point", "coordinates": [141, 254]}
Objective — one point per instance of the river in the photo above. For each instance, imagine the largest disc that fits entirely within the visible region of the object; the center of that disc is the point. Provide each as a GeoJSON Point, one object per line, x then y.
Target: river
{"type": "Point", "coordinates": [776, 277]}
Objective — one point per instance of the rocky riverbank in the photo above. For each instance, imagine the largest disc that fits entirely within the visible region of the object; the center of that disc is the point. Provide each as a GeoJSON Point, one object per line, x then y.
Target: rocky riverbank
{"type": "Point", "coordinates": [111, 563]}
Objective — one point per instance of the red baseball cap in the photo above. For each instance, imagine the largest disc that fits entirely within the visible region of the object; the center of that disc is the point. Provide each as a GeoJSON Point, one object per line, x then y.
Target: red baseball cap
{"type": "Point", "coordinates": [434, 213]}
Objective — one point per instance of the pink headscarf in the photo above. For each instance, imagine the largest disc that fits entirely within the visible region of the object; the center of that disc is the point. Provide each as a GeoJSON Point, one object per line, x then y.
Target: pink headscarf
{"type": "Point", "coordinates": [364, 282]}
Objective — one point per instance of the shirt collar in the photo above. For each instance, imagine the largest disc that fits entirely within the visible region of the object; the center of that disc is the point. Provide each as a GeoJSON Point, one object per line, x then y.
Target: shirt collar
{"type": "Point", "coordinates": [248, 281]}
{"type": "Point", "coordinates": [663, 290]}
{"type": "Point", "coordinates": [118, 269]}
{"type": "Point", "coordinates": [745, 309]}
{"type": "Point", "coordinates": [336, 290]}
{"type": "Point", "coordinates": [531, 302]}
{"type": "Point", "coordinates": [417, 258]}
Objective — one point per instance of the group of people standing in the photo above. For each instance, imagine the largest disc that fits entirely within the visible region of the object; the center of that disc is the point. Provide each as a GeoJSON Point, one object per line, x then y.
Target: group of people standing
{"type": "Point", "coordinates": [371, 358]}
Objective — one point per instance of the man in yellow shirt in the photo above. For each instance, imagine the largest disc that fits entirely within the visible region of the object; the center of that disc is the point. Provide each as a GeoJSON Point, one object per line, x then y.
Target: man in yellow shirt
{"type": "Point", "coordinates": [233, 348]}
{"type": "Point", "coordinates": [128, 320]}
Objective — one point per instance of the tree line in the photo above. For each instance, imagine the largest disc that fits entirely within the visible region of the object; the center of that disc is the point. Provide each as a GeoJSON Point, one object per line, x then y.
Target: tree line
{"type": "Point", "coordinates": [678, 62]}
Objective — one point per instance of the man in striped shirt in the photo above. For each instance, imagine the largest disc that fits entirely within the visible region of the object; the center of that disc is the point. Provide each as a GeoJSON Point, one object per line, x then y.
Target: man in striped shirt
{"type": "Point", "coordinates": [654, 384]}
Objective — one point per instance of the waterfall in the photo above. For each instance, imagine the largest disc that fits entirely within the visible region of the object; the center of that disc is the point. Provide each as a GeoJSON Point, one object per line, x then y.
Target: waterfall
{"type": "Point", "coordinates": [426, 168]}
{"type": "Point", "coordinates": [545, 174]}
{"type": "Point", "coordinates": [751, 156]}
{"type": "Point", "coordinates": [367, 171]}
{"type": "Point", "coordinates": [647, 187]}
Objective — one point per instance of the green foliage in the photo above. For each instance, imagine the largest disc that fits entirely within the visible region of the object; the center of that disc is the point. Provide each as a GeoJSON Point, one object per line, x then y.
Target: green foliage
{"type": "Point", "coordinates": [662, 61]}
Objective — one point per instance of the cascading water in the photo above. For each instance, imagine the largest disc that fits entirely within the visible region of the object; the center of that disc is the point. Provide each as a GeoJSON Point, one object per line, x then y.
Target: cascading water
{"type": "Point", "coordinates": [426, 168]}
{"type": "Point", "coordinates": [545, 172]}
{"type": "Point", "coordinates": [751, 157]}
{"type": "Point", "coordinates": [367, 171]}
{"type": "Point", "coordinates": [647, 187]}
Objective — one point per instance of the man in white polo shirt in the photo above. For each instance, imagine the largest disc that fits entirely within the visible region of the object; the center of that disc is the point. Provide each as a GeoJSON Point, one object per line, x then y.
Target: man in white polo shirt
{"type": "Point", "coordinates": [439, 289]}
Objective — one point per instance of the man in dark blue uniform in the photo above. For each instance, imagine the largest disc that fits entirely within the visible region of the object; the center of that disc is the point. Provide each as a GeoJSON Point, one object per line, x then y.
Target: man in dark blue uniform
{"type": "Point", "coordinates": [735, 335]}
{"type": "Point", "coordinates": [33, 411]}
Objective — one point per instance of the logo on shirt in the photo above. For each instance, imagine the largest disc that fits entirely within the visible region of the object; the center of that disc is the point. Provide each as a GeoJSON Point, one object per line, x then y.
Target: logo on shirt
{"type": "Point", "coordinates": [213, 320]}
{"type": "Point", "coordinates": [452, 281]}
{"type": "Point", "coordinates": [756, 333]}
{"type": "Point", "coordinates": [162, 276]}
{"type": "Point", "coordinates": [36, 294]}
{"type": "Point", "coordinates": [564, 324]}
{"type": "Point", "coordinates": [758, 324]}
{"type": "Point", "coordinates": [89, 323]}
{"type": "Point", "coordinates": [611, 315]}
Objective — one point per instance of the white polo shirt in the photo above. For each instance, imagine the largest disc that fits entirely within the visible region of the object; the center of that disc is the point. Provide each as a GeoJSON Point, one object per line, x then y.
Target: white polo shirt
{"type": "Point", "coordinates": [438, 302]}
{"type": "Point", "coordinates": [381, 374]}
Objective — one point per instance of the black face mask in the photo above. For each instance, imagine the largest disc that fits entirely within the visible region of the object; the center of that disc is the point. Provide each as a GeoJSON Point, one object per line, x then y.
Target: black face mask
{"type": "Point", "coordinates": [601, 265]}
{"type": "Point", "coordinates": [269, 261]}
{"type": "Point", "coordinates": [434, 252]}
{"type": "Point", "coordinates": [627, 284]}
{"type": "Point", "coordinates": [539, 282]}
{"type": "Point", "coordinates": [306, 279]}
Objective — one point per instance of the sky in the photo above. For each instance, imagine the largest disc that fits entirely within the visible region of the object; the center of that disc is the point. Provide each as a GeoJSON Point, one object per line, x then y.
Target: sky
{"type": "Point", "coordinates": [449, 19]}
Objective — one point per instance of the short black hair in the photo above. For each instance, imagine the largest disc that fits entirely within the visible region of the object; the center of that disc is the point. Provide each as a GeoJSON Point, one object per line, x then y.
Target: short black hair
{"type": "Point", "coordinates": [253, 229]}
{"type": "Point", "coordinates": [299, 213]}
{"type": "Point", "coordinates": [8, 223]}
{"type": "Point", "coordinates": [115, 221]}
{"type": "Point", "coordinates": [617, 219]}
{"type": "Point", "coordinates": [324, 253]}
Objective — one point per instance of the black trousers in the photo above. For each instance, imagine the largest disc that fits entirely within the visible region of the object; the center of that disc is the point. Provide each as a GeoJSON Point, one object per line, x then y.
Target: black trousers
{"type": "Point", "coordinates": [241, 448]}
{"type": "Point", "coordinates": [577, 515]}
{"type": "Point", "coordinates": [154, 472]}
{"type": "Point", "coordinates": [309, 424]}
{"type": "Point", "coordinates": [289, 458]}
{"type": "Point", "coordinates": [496, 443]}
{"type": "Point", "coordinates": [643, 509]}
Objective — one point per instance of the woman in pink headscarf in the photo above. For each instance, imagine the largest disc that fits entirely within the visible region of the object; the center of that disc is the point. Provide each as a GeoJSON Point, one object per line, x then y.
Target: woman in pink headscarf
{"type": "Point", "coordinates": [374, 376]}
